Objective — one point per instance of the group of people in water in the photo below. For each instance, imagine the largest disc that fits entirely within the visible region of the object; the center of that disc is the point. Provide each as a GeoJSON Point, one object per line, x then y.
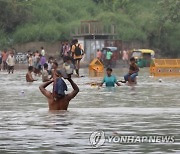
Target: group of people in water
{"type": "Point", "coordinates": [57, 99]}
{"type": "Point", "coordinates": [51, 74]}
{"type": "Point", "coordinates": [110, 80]}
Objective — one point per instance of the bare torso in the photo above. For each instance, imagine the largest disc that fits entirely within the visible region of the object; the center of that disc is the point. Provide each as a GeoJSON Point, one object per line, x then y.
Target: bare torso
{"type": "Point", "coordinates": [29, 77]}
{"type": "Point", "coordinates": [60, 104]}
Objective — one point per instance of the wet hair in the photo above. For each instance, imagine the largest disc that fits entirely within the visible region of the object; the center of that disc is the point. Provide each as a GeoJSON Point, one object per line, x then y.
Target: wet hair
{"type": "Point", "coordinates": [30, 68]}
{"type": "Point", "coordinates": [55, 63]}
{"type": "Point", "coordinates": [45, 65]}
{"type": "Point", "coordinates": [109, 69]}
{"type": "Point", "coordinates": [132, 59]}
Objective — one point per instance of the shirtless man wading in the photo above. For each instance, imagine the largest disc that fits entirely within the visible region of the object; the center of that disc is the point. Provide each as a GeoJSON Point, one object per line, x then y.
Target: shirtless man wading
{"type": "Point", "coordinates": [61, 103]}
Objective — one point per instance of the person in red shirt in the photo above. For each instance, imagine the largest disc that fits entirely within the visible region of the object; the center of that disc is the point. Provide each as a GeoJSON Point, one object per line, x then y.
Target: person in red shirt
{"type": "Point", "coordinates": [4, 58]}
{"type": "Point", "coordinates": [99, 55]}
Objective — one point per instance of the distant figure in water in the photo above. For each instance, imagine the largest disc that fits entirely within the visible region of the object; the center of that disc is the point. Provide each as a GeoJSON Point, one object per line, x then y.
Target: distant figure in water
{"type": "Point", "coordinates": [110, 79]}
{"type": "Point", "coordinates": [29, 77]}
{"type": "Point", "coordinates": [61, 102]}
{"type": "Point", "coordinates": [45, 73]}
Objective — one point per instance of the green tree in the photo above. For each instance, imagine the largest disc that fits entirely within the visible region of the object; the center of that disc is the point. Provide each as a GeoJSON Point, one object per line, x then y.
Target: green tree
{"type": "Point", "coordinates": [150, 21]}
{"type": "Point", "coordinates": [169, 26]}
{"type": "Point", "coordinates": [13, 13]}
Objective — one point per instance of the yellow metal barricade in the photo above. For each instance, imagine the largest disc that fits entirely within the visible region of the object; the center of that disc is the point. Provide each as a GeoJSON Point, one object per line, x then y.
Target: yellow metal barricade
{"type": "Point", "coordinates": [165, 67]}
{"type": "Point", "coordinates": [96, 68]}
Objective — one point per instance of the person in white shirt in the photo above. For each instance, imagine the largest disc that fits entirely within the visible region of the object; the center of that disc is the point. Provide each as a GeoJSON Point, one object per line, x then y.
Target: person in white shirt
{"type": "Point", "coordinates": [43, 51]}
{"type": "Point", "coordinates": [33, 59]}
{"type": "Point", "coordinates": [11, 62]}
{"type": "Point", "coordinates": [68, 66]}
{"type": "Point", "coordinates": [30, 60]}
{"type": "Point", "coordinates": [125, 57]}
{"type": "Point", "coordinates": [50, 63]}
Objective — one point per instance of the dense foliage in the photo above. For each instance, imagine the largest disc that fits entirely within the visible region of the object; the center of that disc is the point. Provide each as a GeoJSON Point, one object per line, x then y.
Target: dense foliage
{"type": "Point", "coordinates": [154, 21]}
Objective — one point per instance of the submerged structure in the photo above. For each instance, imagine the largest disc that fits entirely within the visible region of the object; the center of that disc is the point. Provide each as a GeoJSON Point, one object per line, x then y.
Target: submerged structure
{"type": "Point", "coordinates": [93, 35]}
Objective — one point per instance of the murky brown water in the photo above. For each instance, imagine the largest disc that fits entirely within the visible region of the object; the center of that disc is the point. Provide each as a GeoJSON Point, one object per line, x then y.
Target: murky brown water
{"type": "Point", "coordinates": [26, 126]}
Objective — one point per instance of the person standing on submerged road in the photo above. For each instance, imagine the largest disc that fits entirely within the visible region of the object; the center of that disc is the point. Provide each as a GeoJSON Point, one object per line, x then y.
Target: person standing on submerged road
{"type": "Point", "coordinates": [62, 102]}
{"type": "Point", "coordinates": [30, 60]}
{"type": "Point", "coordinates": [11, 62]}
{"type": "Point", "coordinates": [110, 80]}
{"type": "Point", "coordinates": [108, 58]}
{"type": "Point", "coordinates": [77, 54]}
{"type": "Point", "coordinates": [4, 58]}
{"type": "Point", "coordinates": [43, 51]}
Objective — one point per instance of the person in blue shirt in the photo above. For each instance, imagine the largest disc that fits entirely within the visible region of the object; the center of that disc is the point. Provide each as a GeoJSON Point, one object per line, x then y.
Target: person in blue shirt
{"type": "Point", "coordinates": [110, 80]}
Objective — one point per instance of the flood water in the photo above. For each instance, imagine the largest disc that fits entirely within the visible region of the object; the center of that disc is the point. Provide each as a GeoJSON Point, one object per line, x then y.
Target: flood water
{"type": "Point", "coordinates": [151, 108]}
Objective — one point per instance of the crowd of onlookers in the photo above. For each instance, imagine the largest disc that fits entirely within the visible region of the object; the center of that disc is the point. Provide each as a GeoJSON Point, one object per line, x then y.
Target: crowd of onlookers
{"type": "Point", "coordinates": [71, 53]}
{"type": "Point", "coordinates": [37, 59]}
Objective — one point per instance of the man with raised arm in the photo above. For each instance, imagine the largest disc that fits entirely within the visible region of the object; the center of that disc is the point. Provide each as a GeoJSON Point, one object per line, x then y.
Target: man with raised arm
{"type": "Point", "coordinates": [62, 102]}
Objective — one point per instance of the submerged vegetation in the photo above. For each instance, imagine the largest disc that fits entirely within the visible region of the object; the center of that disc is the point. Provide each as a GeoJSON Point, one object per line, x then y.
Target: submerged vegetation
{"type": "Point", "coordinates": [156, 22]}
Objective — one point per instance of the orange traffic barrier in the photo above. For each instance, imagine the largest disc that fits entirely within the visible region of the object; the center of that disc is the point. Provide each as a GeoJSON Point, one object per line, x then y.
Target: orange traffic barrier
{"type": "Point", "coordinates": [96, 68]}
{"type": "Point", "coordinates": [165, 67]}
